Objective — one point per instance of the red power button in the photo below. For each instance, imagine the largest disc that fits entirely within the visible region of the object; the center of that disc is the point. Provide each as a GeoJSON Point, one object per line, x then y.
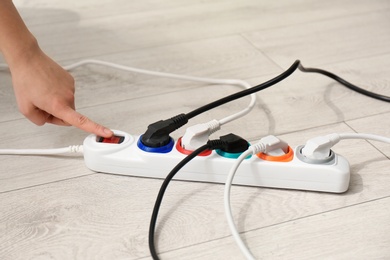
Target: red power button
{"type": "Point", "coordinates": [115, 139]}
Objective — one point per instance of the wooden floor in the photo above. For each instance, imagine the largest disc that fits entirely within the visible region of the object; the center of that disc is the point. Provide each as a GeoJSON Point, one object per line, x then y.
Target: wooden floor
{"type": "Point", "coordinates": [54, 207]}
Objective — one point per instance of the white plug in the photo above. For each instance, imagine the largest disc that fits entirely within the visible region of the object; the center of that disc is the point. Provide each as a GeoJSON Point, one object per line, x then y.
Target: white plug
{"type": "Point", "coordinates": [198, 135]}
{"type": "Point", "coordinates": [319, 147]}
{"type": "Point", "coordinates": [274, 146]}
{"type": "Point", "coordinates": [270, 145]}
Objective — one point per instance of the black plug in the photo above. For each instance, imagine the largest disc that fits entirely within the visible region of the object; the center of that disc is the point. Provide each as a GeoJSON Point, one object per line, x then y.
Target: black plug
{"type": "Point", "coordinates": [230, 143]}
{"type": "Point", "coordinates": [157, 134]}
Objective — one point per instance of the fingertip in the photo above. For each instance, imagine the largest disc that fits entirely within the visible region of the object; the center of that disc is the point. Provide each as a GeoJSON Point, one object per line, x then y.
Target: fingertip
{"type": "Point", "coordinates": [97, 129]}
{"type": "Point", "coordinates": [107, 132]}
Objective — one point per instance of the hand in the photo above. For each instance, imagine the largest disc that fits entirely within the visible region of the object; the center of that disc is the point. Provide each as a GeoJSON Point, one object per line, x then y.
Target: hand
{"type": "Point", "coordinates": [45, 94]}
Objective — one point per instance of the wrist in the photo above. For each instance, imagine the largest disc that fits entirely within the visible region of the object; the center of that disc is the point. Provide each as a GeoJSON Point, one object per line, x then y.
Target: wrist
{"type": "Point", "coordinates": [17, 43]}
{"type": "Point", "coordinates": [23, 53]}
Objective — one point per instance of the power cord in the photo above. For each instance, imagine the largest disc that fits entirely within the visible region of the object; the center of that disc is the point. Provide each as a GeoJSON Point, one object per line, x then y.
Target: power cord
{"type": "Point", "coordinates": [65, 150]}
{"type": "Point", "coordinates": [228, 211]}
{"type": "Point", "coordinates": [266, 145]}
{"type": "Point", "coordinates": [236, 82]}
{"type": "Point", "coordinates": [345, 83]}
{"type": "Point", "coordinates": [228, 142]}
{"type": "Point", "coordinates": [3, 66]}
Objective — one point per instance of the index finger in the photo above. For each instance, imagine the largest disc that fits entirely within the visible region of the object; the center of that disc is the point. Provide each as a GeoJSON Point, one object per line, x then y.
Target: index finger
{"type": "Point", "coordinates": [84, 123]}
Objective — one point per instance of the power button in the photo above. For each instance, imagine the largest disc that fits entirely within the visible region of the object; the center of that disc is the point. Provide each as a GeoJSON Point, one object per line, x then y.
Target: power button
{"type": "Point", "coordinates": [115, 139]}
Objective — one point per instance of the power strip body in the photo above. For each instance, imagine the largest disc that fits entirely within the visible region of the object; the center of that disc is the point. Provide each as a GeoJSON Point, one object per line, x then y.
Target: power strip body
{"type": "Point", "coordinates": [127, 159]}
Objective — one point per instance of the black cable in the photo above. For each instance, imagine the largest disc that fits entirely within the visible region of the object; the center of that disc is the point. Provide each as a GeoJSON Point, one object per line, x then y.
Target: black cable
{"type": "Point", "coordinates": [245, 92]}
{"type": "Point", "coordinates": [229, 143]}
{"type": "Point", "coordinates": [345, 83]}
{"type": "Point", "coordinates": [288, 72]}
{"type": "Point", "coordinates": [160, 196]}
{"type": "Point", "coordinates": [157, 134]}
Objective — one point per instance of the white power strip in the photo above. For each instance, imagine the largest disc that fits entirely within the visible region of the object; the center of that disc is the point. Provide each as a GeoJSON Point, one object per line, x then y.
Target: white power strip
{"type": "Point", "coordinates": [125, 158]}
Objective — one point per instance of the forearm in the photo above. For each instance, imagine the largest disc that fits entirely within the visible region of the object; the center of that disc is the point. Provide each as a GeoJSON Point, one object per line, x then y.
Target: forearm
{"type": "Point", "coordinates": [16, 41]}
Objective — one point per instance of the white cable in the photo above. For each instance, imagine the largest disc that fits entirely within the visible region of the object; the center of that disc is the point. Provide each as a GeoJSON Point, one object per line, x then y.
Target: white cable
{"type": "Point", "coordinates": [371, 137]}
{"type": "Point", "coordinates": [228, 211]}
{"type": "Point", "coordinates": [237, 82]}
{"type": "Point", "coordinates": [267, 144]}
{"type": "Point", "coordinates": [3, 66]}
{"type": "Point", "coordinates": [64, 150]}
{"type": "Point", "coordinates": [254, 149]}
{"type": "Point", "coordinates": [197, 135]}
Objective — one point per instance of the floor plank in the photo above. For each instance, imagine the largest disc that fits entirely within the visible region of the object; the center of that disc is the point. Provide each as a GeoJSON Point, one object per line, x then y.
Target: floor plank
{"type": "Point", "coordinates": [329, 235]}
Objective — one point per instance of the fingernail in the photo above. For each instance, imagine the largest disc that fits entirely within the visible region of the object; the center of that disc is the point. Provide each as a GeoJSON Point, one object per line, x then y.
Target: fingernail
{"type": "Point", "coordinates": [108, 131]}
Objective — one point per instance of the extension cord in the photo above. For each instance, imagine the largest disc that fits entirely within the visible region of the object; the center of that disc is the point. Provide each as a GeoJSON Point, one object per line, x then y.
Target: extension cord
{"type": "Point", "coordinates": [124, 157]}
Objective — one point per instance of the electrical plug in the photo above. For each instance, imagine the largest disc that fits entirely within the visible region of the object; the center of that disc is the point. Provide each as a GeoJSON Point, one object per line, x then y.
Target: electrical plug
{"type": "Point", "coordinates": [319, 148]}
{"type": "Point", "coordinates": [270, 145]}
{"type": "Point", "coordinates": [234, 146]}
{"type": "Point", "coordinates": [157, 134]}
{"type": "Point", "coordinates": [274, 146]}
{"type": "Point", "coordinates": [271, 148]}
{"type": "Point", "coordinates": [197, 135]}
{"type": "Point", "coordinates": [230, 143]}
